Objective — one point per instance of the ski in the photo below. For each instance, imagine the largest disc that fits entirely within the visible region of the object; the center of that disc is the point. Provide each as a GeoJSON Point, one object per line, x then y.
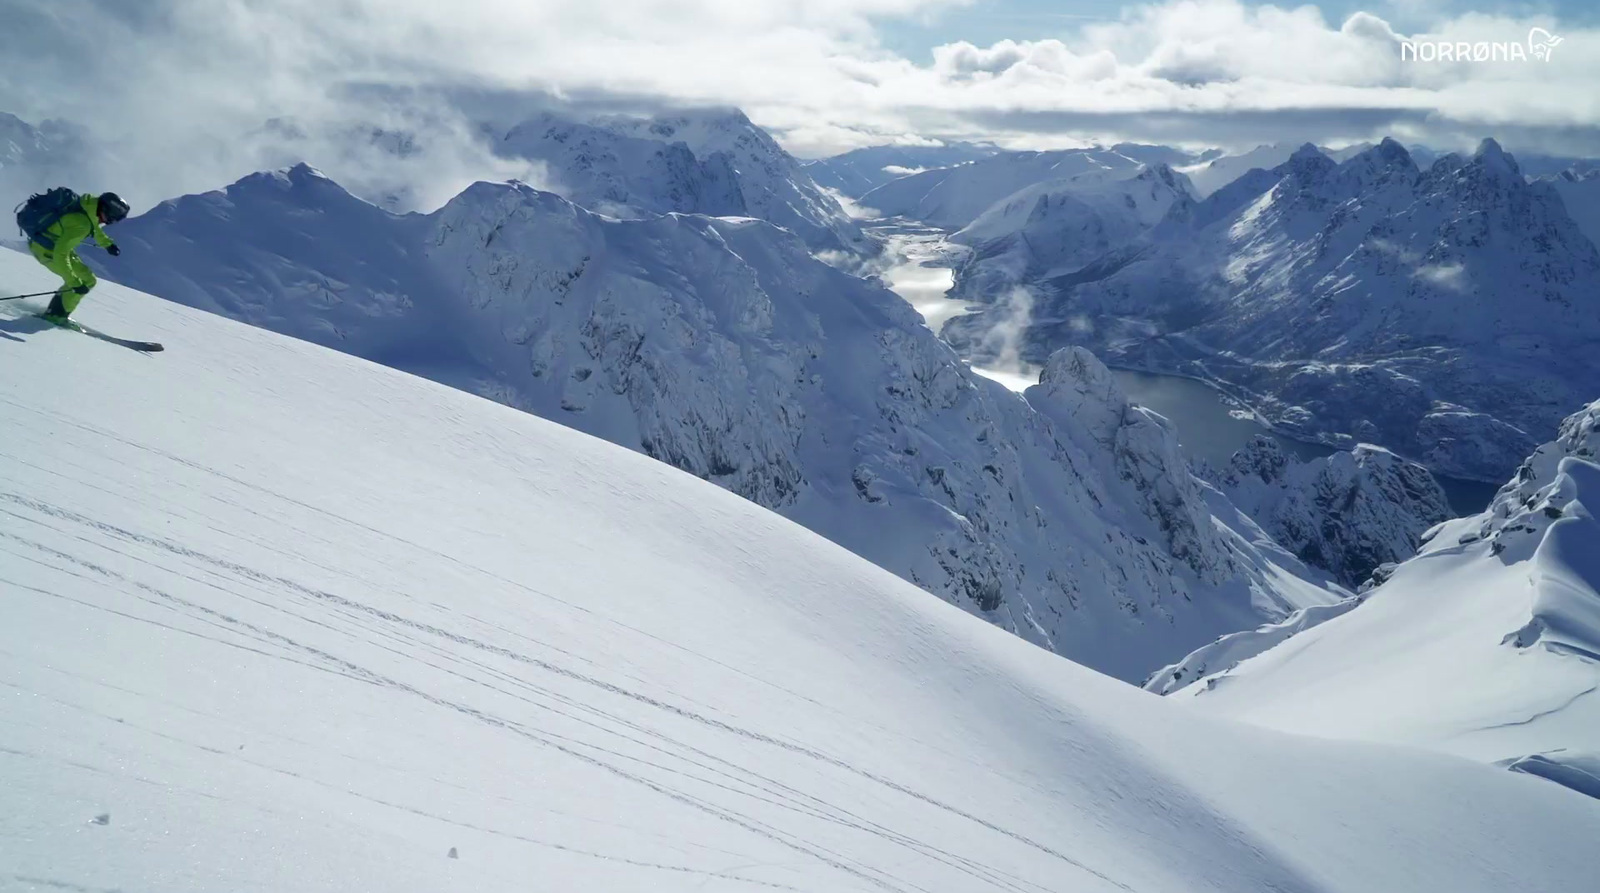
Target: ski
{"type": "Point", "coordinates": [141, 346]}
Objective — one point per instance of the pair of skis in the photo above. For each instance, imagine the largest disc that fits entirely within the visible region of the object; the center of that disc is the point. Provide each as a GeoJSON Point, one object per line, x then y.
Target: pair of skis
{"type": "Point", "coordinates": [72, 326]}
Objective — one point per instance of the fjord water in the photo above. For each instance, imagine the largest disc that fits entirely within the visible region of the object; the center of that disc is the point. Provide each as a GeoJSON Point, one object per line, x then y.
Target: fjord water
{"type": "Point", "coordinates": [1210, 426]}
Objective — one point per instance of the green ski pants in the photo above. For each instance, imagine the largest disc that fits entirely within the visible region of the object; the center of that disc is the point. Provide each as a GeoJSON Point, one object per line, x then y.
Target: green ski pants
{"type": "Point", "coordinates": [76, 277]}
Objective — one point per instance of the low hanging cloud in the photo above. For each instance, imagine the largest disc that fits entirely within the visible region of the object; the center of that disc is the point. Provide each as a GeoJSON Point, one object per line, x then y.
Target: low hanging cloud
{"type": "Point", "coordinates": [400, 99]}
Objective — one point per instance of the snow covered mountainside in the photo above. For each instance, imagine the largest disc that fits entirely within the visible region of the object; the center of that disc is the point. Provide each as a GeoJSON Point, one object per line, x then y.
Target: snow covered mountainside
{"type": "Point", "coordinates": [1444, 313]}
{"type": "Point", "coordinates": [1056, 227]}
{"type": "Point", "coordinates": [1347, 513]}
{"type": "Point", "coordinates": [723, 348]}
{"type": "Point", "coordinates": [1580, 192]}
{"type": "Point", "coordinates": [1486, 644]}
{"type": "Point", "coordinates": [954, 197]}
{"type": "Point", "coordinates": [716, 163]}
{"type": "Point", "coordinates": [1209, 176]}
{"type": "Point", "coordinates": [278, 618]}
{"type": "Point", "coordinates": [857, 172]}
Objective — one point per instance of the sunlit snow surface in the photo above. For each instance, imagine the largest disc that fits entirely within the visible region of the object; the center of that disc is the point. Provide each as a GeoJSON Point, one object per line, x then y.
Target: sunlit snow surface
{"type": "Point", "coordinates": [278, 619]}
{"type": "Point", "coordinates": [1486, 644]}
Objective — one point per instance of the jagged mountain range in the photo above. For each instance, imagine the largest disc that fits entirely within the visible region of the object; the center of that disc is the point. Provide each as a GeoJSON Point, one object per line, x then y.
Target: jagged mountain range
{"type": "Point", "coordinates": [954, 197]}
{"type": "Point", "coordinates": [722, 347]}
{"type": "Point", "coordinates": [711, 162]}
{"type": "Point", "coordinates": [1444, 313]}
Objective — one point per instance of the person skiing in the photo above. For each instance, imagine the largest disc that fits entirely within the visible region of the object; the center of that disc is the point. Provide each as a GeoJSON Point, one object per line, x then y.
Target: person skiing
{"type": "Point", "coordinates": [56, 222]}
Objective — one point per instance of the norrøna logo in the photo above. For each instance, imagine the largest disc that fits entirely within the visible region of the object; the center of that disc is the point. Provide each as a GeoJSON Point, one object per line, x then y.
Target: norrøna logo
{"type": "Point", "coordinates": [1539, 46]}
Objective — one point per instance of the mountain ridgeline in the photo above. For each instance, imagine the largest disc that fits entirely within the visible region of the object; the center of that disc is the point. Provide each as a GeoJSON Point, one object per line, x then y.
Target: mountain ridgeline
{"type": "Point", "coordinates": [1445, 313]}
{"type": "Point", "coordinates": [723, 347]}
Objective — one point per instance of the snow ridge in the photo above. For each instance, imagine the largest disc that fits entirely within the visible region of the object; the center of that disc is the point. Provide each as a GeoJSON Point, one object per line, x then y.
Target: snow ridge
{"type": "Point", "coordinates": [1486, 644]}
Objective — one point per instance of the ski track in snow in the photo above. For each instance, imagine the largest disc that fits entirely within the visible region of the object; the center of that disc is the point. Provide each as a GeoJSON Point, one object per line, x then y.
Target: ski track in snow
{"type": "Point", "coordinates": [280, 619]}
{"type": "Point", "coordinates": [679, 761]}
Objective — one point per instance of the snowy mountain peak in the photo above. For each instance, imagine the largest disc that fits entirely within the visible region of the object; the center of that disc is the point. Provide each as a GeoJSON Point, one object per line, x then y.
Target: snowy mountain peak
{"type": "Point", "coordinates": [1309, 164]}
{"type": "Point", "coordinates": [716, 163]}
{"type": "Point", "coordinates": [1492, 157]}
{"type": "Point", "coordinates": [1079, 394]}
{"type": "Point", "coordinates": [1307, 152]}
{"type": "Point", "coordinates": [1392, 149]}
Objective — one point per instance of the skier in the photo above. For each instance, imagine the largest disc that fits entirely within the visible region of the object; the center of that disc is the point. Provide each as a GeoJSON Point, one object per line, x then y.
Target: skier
{"type": "Point", "coordinates": [56, 222]}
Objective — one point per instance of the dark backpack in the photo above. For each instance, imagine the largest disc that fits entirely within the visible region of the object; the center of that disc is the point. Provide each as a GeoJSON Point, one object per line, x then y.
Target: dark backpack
{"type": "Point", "coordinates": [42, 210]}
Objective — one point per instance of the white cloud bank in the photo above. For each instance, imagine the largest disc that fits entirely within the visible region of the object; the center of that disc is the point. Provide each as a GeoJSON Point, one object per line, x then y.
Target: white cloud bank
{"type": "Point", "coordinates": [184, 86]}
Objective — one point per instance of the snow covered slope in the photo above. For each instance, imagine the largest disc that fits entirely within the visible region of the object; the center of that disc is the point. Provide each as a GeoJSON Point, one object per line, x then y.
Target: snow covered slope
{"type": "Point", "coordinates": [1445, 314]}
{"type": "Point", "coordinates": [1056, 227]}
{"type": "Point", "coordinates": [1580, 192]}
{"type": "Point", "coordinates": [722, 347]}
{"type": "Point", "coordinates": [277, 618]}
{"type": "Point", "coordinates": [1346, 513]}
{"type": "Point", "coordinates": [712, 162]}
{"type": "Point", "coordinates": [954, 197]}
{"type": "Point", "coordinates": [1487, 644]}
{"type": "Point", "coordinates": [1210, 176]}
{"type": "Point", "coordinates": [857, 172]}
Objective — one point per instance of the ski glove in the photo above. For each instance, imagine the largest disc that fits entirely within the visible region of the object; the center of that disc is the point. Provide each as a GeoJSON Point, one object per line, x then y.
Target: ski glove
{"type": "Point", "coordinates": [113, 250]}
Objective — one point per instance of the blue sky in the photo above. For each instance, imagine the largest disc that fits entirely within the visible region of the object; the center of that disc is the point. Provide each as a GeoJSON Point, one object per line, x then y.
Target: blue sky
{"type": "Point", "coordinates": [985, 21]}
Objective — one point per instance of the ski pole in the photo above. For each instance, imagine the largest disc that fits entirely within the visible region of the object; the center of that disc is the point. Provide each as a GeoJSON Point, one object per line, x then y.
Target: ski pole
{"type": "Point", "coordinates": [37, 294]}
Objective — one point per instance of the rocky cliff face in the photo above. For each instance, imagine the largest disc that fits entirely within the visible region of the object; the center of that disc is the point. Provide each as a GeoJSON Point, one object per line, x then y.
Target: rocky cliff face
{"type": "Point", "coordinates": [1347, 513]}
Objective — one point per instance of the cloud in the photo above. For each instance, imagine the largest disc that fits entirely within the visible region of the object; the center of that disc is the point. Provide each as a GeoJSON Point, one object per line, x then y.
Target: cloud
{"type": "Point", "coordinates": [391, 96]}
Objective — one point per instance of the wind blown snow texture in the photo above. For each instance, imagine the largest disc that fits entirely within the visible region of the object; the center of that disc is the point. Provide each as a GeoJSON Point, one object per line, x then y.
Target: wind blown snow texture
{"type": "Point", "coordinates": [722, 347]}
{"type": "Point", "coordinates": [278, 618]}
{"type": "Point", "coordinates": [1486, 644]}
{"type": "Point", "coordinates": [1443, 313]}
{"type": "Point", "coordinates": [716, 163]}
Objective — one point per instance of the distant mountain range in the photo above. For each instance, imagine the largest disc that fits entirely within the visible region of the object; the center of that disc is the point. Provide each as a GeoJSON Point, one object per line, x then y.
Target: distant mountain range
{"type": "Point", "coordinates": [722, 347]}
{"type": "Point", "coordinates": [1444, 313]}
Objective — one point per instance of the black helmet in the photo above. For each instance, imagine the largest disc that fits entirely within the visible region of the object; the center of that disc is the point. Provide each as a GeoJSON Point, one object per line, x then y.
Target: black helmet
{"type": "Point", "coordinates": [112, 207]}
